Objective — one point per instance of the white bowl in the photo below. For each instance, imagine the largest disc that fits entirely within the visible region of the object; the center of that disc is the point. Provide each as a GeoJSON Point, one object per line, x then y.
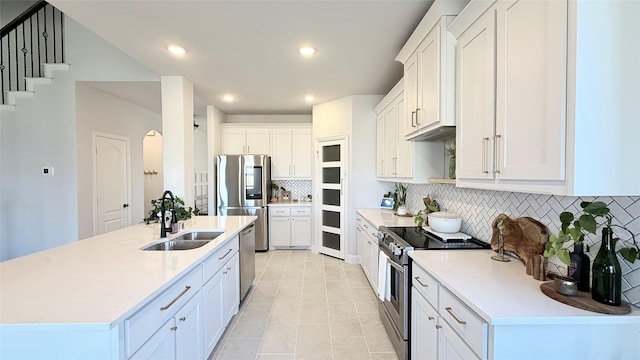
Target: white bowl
{"type": "Point", "coordinates": [445, 222]}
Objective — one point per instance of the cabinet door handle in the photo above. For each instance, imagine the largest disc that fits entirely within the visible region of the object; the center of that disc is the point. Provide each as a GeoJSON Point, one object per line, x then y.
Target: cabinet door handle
{"type": "Point", "coordinates": [289, 170]}
{"type": "Point", "coordinates": [248, 149]}
{"type": "Point", "coordinates": [430, 317]}
{"type": "Point", "coordinates": [186, 288]}
{"type": "Point", "coordinates": [496, 155]}
{"type": "Point", "coordinates": [174, 328]}
{"type": "Point", "coordinates": [184, 318]}
{"type": "Point", "coordinates": [485, 141]}
{"type": "Point", "coordinates": [420, 281]}
{"type": "Point", "coordinates": [225, 254]}
{"type": "Point", "coordinates": [413, 113]}
{"type": "Point", "coordinates": [438, 326]}
{"type": "Point", "coordinates": [417, 117]}
{"type": "Point", "coordinates": [294, 170]}
{"type": "Point", "coordinates": [454, 316]}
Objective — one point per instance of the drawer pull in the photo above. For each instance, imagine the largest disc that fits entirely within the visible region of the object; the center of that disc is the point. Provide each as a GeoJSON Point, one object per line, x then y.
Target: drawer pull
{"type": "Point", "coordinates": [174, 328]}
{"type": "Point", "coordinates": [225, 255]}
{"type": "Point", "coordinates": [438, 326]}
{"type": "Point", "coordinates": [430, 317]}
{"type": "Point", "coordinates": [420, 281]}
{"type": "Point", "coordinates": [186, 288]}
{"type": "Point", "coordinates": [183, 318]}
{"type": "Point", "coordinates": [454, 316]}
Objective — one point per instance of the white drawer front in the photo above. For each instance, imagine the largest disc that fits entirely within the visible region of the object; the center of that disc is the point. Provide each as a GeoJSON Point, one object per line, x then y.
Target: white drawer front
{"type": "Point", "coordinates": [301, 211]}
{"type": "Point", "coordinates": [426, 284]}
{"type": "Point", "coordinates": [464, 322]}
{"type": "Point", "coordinates": [279, 211]}
{"type": "Point", "coordinates": [141, 326]}
{"type": "Point", "coordinates": [215, 262]}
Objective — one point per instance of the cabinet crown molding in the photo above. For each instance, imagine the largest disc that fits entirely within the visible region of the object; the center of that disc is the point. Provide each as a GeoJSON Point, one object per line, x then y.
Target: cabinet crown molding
{"type": "Point", "coordinates": [439, 9]}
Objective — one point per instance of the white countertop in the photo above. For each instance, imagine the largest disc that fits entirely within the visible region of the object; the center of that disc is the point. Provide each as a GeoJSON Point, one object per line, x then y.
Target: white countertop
{"type": "Point", "coordinates": [502, 293]}
{"type": "Point", "coordinates": [290, 203]}
{"type": "Point", "coordinates": [384, 217]}
{"type": "Point", "coordinates": [102, 279]}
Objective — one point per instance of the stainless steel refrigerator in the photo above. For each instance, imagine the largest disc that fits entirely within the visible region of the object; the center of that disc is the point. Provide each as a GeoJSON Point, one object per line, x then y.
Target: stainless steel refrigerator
{"type": "Point", "coordinates": [244, 188]}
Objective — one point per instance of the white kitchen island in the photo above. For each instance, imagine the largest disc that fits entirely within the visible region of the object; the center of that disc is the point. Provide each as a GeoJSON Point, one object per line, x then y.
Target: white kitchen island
{"type": "Point", "coordinates": [486, 309]}
{"type": "Point", "coordinates": [76, 301]}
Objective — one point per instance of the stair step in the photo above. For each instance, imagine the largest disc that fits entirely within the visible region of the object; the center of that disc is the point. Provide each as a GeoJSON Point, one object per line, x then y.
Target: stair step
{"type": "Point", "coordinates": [11, 96]}
{"type": "Point", "coordinates": [50, 68]}
{"type": "Point", "coordinates": [31, 82]}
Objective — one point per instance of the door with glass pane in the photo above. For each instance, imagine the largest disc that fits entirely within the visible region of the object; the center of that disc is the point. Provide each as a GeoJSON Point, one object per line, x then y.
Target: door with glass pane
{"type": "Point", "coordinates": [332, 162]}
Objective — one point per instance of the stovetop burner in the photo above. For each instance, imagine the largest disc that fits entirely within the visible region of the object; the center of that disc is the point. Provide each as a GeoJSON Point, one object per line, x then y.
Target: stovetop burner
{"type": "Point", "coordinates": [419, 239]}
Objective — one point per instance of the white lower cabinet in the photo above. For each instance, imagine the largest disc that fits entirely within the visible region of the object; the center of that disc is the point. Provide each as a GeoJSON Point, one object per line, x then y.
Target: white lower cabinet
{"type": "Point", "coordinates": [439, 334]}
{"type": "Point", "coordinates": [178, 338]}
{"type": "Point", "coordinates": [220, 293]}
{"type": "Point", "coordinates": [368, 250]}
{"type": "Point", "coordinates": [290, 226]}
{"type": "Point", "coordinates": [187, 320]}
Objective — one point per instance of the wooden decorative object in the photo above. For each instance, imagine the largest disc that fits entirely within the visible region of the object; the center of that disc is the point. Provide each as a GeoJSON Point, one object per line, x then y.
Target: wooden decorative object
{"type": "Point", "coordinates": [583, 301]}
{"type": "Point", "coordinates": [523, 236]}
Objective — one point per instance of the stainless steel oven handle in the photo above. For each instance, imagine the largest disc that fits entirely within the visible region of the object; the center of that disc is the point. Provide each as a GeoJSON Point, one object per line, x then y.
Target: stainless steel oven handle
{"type": "Point", "coordinates": [398, 267]}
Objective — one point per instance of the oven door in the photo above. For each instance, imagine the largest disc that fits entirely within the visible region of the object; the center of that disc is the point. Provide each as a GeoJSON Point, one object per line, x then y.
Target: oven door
{"type": "Point", "coordinates": [396, 305]}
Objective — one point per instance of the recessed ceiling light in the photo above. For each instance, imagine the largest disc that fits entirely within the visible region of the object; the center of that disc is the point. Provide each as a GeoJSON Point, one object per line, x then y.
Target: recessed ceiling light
{"type": "Point", "coordinates": [176, 50]}
{"type": "Point", "coordinates": [309, 98]}
{"type": "Point", "coordinates": [307, 50]}
{"type": "Point", "coordinates": [229, 98]}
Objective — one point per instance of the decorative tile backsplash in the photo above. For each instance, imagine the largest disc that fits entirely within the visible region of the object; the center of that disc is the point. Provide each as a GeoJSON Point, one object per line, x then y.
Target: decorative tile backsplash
{"type": "Point", "coordinates": [298, 188]}
{"type": "Point", "coordinates": [480, 207]}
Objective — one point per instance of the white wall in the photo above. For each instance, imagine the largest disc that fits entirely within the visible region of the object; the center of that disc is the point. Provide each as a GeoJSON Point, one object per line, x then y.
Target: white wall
{"type": "Point", "coordinates": [10, 9]}
{"type": "Point", "coordinates": [40, 212]}
{"type": "Point", "coordinates": [215, 118]}
{"type": "Point", "coordinates": [152, 161]}
{"type": "Point", "coordinates": [98, 111]}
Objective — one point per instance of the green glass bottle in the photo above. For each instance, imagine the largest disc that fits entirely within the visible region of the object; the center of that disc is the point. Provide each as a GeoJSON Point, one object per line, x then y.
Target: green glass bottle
{"type": "Point", "coordinates": [606, 283]}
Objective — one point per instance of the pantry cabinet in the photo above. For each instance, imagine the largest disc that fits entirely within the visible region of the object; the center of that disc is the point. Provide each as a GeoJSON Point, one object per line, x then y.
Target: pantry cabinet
{"type": "Point", "coordinates": [290, 226]}
{"type": "Point", "coordinates": [428, 57]}
{"type": "Point", "coordinates": [530, 98]}
{"type": "Point", "coordinates": [399, 159]}
{"type": "Point", "coordinates": [246, 141]}
{"type": "Point", "coordinates": [291, 154]}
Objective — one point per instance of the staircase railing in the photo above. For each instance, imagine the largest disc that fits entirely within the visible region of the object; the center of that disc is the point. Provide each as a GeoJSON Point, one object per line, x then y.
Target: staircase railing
{"type": "Point", "coordinates": [33, 38]}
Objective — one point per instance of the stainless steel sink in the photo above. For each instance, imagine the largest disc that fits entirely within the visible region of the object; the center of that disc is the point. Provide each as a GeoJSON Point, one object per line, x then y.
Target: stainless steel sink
{"type": "Point", "coordinates": [187, 241]}
{"type": "Point", "coordinates": [199, 235]}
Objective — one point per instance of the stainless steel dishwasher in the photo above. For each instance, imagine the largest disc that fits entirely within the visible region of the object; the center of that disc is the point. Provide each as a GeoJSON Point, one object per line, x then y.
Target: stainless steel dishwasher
{"type": "Point", "coordinates": [247, 259]}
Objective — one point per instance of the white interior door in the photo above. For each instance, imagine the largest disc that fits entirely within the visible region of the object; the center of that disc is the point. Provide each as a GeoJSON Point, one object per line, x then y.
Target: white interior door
{"type": "Point", "coordinates": [331, 177]}
{"type": "Point", "coordinates": [111, 179]}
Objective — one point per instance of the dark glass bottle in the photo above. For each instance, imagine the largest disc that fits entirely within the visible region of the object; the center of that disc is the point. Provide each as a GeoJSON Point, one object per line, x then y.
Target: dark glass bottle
{"type": "Point", "coordinates": [579, 266]}
{"type": "Point", "coordinates": [606, 286]}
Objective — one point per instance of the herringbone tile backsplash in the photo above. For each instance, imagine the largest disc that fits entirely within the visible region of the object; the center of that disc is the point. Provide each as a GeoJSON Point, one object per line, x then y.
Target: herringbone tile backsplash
{"type": "Point", "coordinates": [480, 207]}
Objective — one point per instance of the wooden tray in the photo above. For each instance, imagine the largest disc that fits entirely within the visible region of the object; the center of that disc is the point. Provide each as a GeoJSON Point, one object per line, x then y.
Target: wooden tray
{"type": "Point", "coordinates": [583, 300]}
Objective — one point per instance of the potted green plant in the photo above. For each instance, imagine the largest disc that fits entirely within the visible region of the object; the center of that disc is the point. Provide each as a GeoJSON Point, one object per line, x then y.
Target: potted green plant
{"type": "Point", "coordinates": [401, 200]}
{"type": "Point", "coordinates": [451, 149]}
{"type": "Point", "coordinates": [431, 205]}
{"type": "Point", "coordinates": [182, 213]}
{"type": "Point", "coordinates": [606, 271]}
{"type": "Point", "coordinates": [274, 195]}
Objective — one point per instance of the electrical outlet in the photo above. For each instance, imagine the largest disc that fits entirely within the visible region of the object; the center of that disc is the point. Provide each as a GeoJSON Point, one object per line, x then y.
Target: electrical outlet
{"type": "Point", "coordinates": [47, 171]}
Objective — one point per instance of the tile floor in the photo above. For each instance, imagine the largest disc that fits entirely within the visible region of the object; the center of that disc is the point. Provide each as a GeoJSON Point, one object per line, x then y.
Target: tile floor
{"type": "Point", "coordinates": [306, 306]}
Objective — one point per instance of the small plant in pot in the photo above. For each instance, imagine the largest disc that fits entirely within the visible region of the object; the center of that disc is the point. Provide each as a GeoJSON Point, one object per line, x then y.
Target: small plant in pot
{"type": "Point", "coordinates": [401, 198]}
{"type": "Point", "coordinates": [607, 274]}
{"type": "Point", "coordinates": [182, 213]}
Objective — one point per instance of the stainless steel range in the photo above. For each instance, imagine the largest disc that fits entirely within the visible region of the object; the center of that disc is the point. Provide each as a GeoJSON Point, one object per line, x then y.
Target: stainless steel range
{"type": "Point", "coordinates": [395, 243]}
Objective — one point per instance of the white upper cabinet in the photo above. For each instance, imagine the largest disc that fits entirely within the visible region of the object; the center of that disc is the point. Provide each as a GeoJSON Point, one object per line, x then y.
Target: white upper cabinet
{"type": "Point", "coordinates": [237, 140]}
{"type": "Point", "coordinates": [429, 71]}
{"type": "Point", "coordinates": [399, 159]}
{"type": "Point", "coordinates": [536, 103]}
{"type": "Point", "coordinates": [291, 154]}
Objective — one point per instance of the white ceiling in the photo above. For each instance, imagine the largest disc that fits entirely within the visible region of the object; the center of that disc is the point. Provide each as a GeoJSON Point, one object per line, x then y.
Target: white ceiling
{"type": "Point", "coordinates": [249, 48]}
